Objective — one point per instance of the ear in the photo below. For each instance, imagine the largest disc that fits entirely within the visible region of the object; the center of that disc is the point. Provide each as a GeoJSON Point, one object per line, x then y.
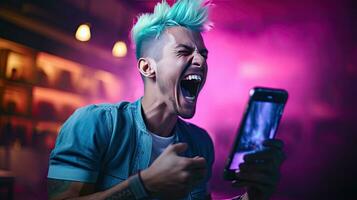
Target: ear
{"type": "Point", "coordinates": [146, 67]}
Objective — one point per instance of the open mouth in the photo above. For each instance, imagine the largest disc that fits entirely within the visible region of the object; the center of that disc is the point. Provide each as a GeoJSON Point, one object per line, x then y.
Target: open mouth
{"type": "Point", "coordinates": [190, 86]}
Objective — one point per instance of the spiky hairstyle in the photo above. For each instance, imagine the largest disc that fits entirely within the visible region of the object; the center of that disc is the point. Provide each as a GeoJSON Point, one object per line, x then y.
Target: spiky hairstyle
{"type": "Point", "coordinates": [192, 14]}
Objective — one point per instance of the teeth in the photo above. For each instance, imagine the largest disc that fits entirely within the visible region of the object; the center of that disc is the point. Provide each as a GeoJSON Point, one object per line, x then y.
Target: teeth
{"type": "Point", "coordinates": [193, 77]}
{"type": "Point", "coordinates": [190, 98]}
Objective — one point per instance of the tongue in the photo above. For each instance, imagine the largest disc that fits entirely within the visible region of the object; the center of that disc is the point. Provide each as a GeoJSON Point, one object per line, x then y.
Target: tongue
{"type": "Point", "coordinates": [186, 93]}
{"type": "Point", "coordinates": [189, 88]}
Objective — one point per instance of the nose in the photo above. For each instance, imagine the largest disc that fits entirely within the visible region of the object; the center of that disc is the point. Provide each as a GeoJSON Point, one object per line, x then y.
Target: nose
{"type": "Point", "coordinates": [198, 59]}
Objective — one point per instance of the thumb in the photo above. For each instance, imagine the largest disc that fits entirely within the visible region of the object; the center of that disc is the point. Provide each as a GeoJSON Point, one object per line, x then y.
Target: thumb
{"type": "Point", "coordinates": [178, 147]}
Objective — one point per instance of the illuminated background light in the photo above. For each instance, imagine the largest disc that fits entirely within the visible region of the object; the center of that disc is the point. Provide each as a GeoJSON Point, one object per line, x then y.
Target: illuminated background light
{"type": "Point", "coordinates": [83, 33]}
{"type": "Point", "coordinates": [119, 49]}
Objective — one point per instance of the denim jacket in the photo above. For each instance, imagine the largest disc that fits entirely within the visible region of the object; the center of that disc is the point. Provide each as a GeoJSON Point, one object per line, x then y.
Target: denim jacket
{"type": "Point", "coordinates": [105, 144]}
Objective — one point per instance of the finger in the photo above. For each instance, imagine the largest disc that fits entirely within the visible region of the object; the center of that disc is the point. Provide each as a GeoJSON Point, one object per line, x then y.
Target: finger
{"type": "Point", "coordinates": [267, 167]}
{"type": "Point", "coordinates": [178, 148]}
{"type": "Point", "coordinates": [267, 155]}
{"type": "Point", "coordinates": [266, 189]}
{"type": "Point", "coordinates": [258, 178]}
{"type": "Point", "coordinates": [259, 155]}
{"type": "Point", "coordinates": [189, 178]}
{"type": "Point", "coordinates": [274, 143]}
{"type": "Point", "coordinates": [198, 170]}
{"type": "Point", "coordinates": [196, 163]}
{"type": "Point", "coordinates": [239, 184]}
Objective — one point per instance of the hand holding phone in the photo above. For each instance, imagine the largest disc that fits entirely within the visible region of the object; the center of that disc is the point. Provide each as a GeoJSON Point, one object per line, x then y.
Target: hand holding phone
{"type": "Point", "coordinates": [260, 172]}
{"type": "Point", "coordinates": [260, 122]}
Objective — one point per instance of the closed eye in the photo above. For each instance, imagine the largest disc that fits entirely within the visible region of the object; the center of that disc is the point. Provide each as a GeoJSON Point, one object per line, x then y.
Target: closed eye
{"type": "Point", "coordinates": [205, 55]}
{"type": "Point", "coordinates": [185, 52]}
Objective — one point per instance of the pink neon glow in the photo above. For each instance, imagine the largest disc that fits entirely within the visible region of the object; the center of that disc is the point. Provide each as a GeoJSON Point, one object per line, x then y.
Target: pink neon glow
{"type": "Point", "coordinates": [285, 44]}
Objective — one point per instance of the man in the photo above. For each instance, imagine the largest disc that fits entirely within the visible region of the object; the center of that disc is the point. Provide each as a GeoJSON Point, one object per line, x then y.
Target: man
{"type": "Point", "coordinates": [143, 150]}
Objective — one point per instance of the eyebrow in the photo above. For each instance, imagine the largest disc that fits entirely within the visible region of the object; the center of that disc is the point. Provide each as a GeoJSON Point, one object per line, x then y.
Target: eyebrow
{"type": "Point", "coordinates": [204, 50]}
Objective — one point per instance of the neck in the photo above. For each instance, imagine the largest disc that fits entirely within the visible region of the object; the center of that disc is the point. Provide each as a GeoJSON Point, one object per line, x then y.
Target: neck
{"type": "Point", "coordinates": [157, 117]}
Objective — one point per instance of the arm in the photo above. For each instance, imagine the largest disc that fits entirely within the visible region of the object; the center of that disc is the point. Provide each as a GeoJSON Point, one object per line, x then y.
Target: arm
{"type": "Point", "coordinates": [72, 190]}
{"type": "Point", "coordinates": [75, 161]}
{"type": "Point", "coordinates": [169, 177]}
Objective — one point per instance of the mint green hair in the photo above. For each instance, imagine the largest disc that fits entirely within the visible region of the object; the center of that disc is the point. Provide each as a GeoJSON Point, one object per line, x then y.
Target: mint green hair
{"type": "Point", "coordinates": [191, 14]}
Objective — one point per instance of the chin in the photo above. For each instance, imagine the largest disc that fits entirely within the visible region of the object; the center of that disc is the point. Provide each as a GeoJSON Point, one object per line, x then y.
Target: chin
{"type": "Point", "coordinates": [187, 114]}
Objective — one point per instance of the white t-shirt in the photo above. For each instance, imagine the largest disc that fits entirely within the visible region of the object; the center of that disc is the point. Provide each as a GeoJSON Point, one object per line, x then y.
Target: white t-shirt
{"type": "Point", "coordinates": [159, 144]}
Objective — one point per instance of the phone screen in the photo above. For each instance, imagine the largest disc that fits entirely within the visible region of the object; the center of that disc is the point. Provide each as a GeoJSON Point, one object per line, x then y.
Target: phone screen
{"type": "Point", "coordinates": [260, 124]}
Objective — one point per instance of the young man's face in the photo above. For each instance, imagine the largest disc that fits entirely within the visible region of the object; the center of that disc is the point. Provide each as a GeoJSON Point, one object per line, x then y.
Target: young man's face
{"type": "Point", "coordinates": [181, 70]}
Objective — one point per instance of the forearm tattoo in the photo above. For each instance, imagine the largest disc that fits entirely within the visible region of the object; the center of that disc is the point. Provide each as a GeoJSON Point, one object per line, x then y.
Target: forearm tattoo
{"type": "Point", "coordinates": [125, 194]}
{"type": "Point", "coordinates": [56, 187]}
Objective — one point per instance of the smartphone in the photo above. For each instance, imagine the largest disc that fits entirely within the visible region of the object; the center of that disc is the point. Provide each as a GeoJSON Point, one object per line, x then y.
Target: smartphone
{"type": "Point", "coordinates": [260, 122]}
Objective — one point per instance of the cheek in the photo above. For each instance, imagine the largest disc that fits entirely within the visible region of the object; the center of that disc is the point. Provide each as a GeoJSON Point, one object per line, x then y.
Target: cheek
{"type": "Point", "coordinates": [166, 77]}
{"type": "Point", "coordinates": [172, 70]}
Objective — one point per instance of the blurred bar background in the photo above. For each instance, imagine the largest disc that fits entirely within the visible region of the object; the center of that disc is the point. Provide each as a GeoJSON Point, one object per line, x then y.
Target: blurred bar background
{"type": "Point", "coordinates": [308, 47]}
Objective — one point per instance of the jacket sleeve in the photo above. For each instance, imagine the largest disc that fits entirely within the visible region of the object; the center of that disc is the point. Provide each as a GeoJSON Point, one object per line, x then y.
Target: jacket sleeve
{"type": "Point", "coordinates": [80, 145]}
